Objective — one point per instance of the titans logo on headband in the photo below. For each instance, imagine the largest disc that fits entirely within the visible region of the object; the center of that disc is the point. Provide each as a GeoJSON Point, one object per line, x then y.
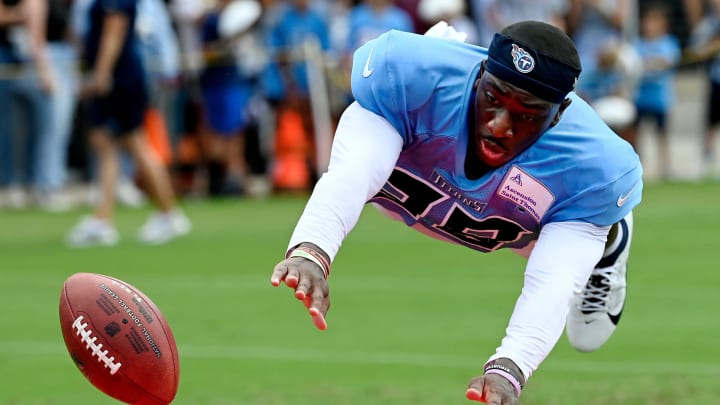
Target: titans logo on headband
{"type": "Point", "coordinates": [522, 60]}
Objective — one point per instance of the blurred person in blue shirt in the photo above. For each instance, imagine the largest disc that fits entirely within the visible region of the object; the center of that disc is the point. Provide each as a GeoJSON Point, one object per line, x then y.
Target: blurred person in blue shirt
{"type": "Point", "coordinates": [367, 20]}
{"type": "Point", "coordinates": [296, 23]}
{"type": "Point", "coordinates": [370, 18]}
{"type": "Point", "coordinates": [660, 53]}
{"type": "Point", "coordinates": [285, 81]}
{"type": "Point", "coordinates": [226, 93]}
{"type": "Point", "coordinates": [607, 77]}
{"type": "Point", "coordinates": [594, 25]}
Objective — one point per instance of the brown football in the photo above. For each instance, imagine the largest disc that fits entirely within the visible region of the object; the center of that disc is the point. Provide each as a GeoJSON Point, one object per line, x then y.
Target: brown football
{"type": "Point", "coordinates": [119, 339]}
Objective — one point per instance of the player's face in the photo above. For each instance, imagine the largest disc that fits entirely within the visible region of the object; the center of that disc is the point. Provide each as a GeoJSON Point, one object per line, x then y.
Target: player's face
{"type": "Point", "coordinates": [508, 119]}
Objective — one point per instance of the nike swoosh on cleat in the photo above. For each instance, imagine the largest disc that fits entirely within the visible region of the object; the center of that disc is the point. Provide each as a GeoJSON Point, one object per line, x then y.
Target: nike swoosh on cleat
{"type": "Point", "coordinates": [366, 70]}
{"type": "Point", "coordinates": [615, 318]}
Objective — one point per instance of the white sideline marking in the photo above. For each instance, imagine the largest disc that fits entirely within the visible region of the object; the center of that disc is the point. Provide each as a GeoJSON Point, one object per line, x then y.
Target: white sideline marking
{"type": "Point", "coordinates": [399, 359]}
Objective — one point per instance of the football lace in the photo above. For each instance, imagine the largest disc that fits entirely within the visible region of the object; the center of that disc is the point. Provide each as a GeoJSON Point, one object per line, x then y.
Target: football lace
{"type": "Point", "coordinates": [95, 349]}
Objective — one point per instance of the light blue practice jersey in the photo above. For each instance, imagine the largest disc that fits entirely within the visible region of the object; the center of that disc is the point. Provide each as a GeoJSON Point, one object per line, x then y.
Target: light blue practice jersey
{"type": "Point", "coordinates": [579, 170]}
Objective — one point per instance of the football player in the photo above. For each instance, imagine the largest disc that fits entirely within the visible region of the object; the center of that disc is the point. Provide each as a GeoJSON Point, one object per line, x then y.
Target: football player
{"type": "Point", "coordinates": [490, 149]}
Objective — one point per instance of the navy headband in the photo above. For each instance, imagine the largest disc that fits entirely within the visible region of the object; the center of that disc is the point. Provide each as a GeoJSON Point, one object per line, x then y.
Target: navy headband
{"type": "Point", "coordinates": [530, 70]}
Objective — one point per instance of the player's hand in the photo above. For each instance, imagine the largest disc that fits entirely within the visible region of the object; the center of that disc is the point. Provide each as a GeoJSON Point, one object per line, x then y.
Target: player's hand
{"type": "Point", "coordinates": [309, 283]}
{"type": "Point", "coordinates": [492, 389]}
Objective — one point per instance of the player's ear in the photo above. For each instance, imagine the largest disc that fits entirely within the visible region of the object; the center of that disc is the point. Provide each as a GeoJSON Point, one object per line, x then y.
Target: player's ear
{"type": "Point", "coordinates": [565, 104]}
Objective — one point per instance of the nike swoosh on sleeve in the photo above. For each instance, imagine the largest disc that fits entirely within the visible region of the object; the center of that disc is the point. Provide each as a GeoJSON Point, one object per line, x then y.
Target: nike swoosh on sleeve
{"type": "Point", "coordinates": [366, 70]}
{"type": "Point", "coordinates": [623, 198]}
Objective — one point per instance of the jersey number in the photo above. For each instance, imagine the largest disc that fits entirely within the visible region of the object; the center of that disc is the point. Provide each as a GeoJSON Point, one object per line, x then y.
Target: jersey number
{"type": "Point", "coordinates": [418, 197]}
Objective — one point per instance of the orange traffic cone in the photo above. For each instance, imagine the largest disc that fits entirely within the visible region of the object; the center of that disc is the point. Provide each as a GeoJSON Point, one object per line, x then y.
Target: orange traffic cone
{"type": "Point", "coordinates": [290, 171]}
{"type": "Point", "coordinates": [157, 135]}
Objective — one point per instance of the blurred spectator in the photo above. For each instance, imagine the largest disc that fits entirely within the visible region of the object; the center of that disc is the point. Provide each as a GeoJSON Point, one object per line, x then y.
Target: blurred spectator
{"type": "Point", "coordinates": [160, 50]}
{"type": "Point", "coordinates": [52, 151]}
{"type": "Point", "coordinates": [611, 65]}
{"type": "Point", "coordinates": [298, 28]}
{"type": "Point", "coordinates": [338, 14]}
{"type": "Point", "coordinates": [610, 87]}
{"type": "Point", "coordinates": [296, 23]}
{"type": "Point", "coordinates": [660, 53]}
{"type": "Point", "coordinates": [594, 26]}
{"type": "Point", "coordinates": [227, 90]}
{"type": "Point", "coordinates": [705, 47]}
{"type": "Point", "coordinates": [683, 15]}
{"type": "Point", "coordinates": [367, 20]}
{"type": "Point", "coordinates": [606, 79]}
{"type": "Point", "coordinates": [126, 191]}
{"type": "Point", "coordinates": [502, 13]}
{"type": "Point", "coordinates": [493, 15]}
{"type": "Point", "coordinates": [693, 11]}
{"type": "Point", "coordinates": [186, 15]}
{"type": "Point", "coordinates": [338, 17]}
{"type": "Point", "coordinates": [453, 13]}
{"type": "Point", "coordinates": [184, 119]}
{"type": "Point", "coordinates": [370, 18]}
{"type": "Point", "coordinates": [26, 80]}
{"type": "Point", "coordinates": [116, 85]}
{"type": "Point", "coordinates": [479, 13]}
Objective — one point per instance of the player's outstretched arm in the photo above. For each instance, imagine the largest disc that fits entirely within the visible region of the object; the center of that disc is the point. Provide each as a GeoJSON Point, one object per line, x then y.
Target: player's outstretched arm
{"type": "Point", "coordinates": [305, 271]}
{"type": "Point", "coordinates": [501, 384]}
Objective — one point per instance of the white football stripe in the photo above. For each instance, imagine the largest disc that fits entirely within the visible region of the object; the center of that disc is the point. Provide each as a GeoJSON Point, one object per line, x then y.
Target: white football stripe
{"type": "Point", "coordinates": [579, 365]}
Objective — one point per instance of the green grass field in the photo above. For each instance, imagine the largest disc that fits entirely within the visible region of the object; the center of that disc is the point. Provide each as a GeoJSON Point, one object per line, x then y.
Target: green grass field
{"type": "Point", "coordinates": [412, 319]}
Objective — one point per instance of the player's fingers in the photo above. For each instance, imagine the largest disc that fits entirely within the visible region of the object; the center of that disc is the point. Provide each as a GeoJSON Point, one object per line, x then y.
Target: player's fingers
{"type": "Point", "coordinates": [278, 274]}
{"type": "Point", "coordinates": [474, 395]}
{"type": "Point", "coordinates": [325, 305]}
{"type": "Point", "coordinates": [495, 390]}
{"type": "Point", "coordinates": [475, 389]}
{"type": "Point", "coordinates": [303, 286]}
{"type": "Point", "coordinates": [319, 304]}
{"type": "Point", "coordinates": [492, 396]}
{"type": "Point", "coordinates": [318, 319]}
{"type": "Point", "coordinates": [319, 301]}
{"type": "Point", "coordinates": [307, 301]}
{"type": "Point", "coordinates": [292, 278]}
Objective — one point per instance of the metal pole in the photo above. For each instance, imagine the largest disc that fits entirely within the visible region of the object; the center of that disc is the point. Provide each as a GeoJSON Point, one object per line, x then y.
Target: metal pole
{"type": "Point", "coordinates": [320, 103]}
